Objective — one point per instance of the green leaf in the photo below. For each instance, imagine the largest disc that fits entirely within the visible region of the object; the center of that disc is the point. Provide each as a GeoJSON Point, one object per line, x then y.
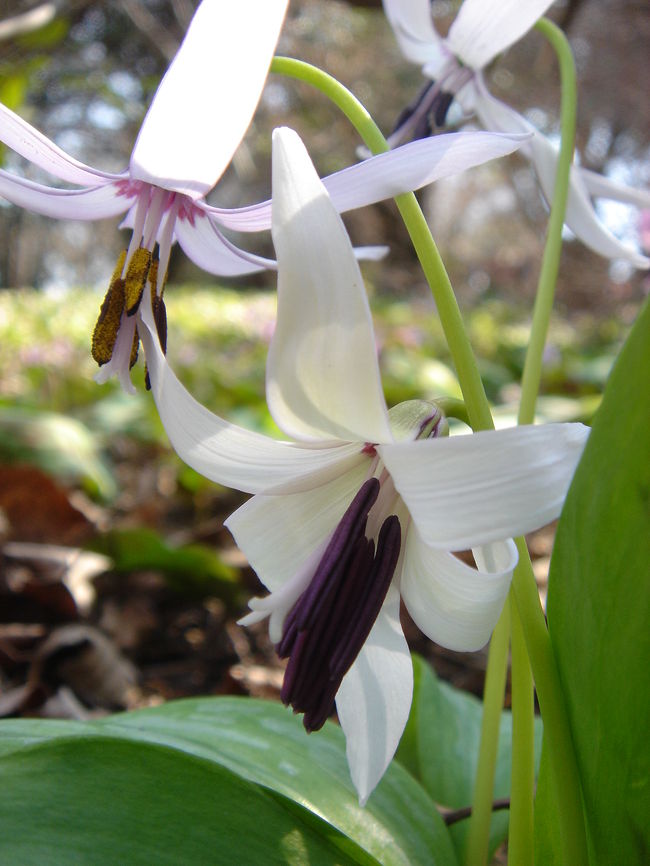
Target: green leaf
{"type": "Point", "coordinates": [102, 800]}
{"type": "Point", "coordinates": [599, 610]}
{"type": "Point", "coordinates": [190, 567]}
{"type": "Point", "coordinates": [440, 748]}
{"type": "Point", "coordinates": [264, 743]}
{"type": "Point", "coordinates": [61, 446]}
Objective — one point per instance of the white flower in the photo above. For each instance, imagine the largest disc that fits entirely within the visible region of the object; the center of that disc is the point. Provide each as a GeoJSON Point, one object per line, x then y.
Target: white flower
{"type": "Point", "coordinates": [480, 31]}
{"type": "Point", "coordinates": [363, 505]}
{"type": "Point", "coordinates": [198, 116]}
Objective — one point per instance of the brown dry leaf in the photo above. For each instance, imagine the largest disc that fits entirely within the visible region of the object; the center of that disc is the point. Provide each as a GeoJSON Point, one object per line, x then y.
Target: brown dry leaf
{"type": "Point", "coordinates": [38, 509]}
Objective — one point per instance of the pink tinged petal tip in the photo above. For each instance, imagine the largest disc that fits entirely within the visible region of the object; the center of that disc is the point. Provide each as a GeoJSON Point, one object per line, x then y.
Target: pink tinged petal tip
{"type": "Point", "coordinates": [206, 100]}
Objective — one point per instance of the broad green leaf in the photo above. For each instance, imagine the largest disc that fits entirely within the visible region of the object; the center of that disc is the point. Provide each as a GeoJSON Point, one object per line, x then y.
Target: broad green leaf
{"type": "Point", "coordinates": [101, 800]}
{"type": "Point", "coordinates": [190, 567]}
{"type": "Point", "coordinates": [265, 743]}
{"type": "Point", "coordinates": [599, 612]}
{"type": "Point", "coordinates": [440, 748]}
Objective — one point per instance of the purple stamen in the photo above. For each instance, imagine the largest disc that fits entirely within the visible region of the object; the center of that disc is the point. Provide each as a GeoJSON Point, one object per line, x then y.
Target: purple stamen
{"type": "Point", "coordinates": [328, 625]}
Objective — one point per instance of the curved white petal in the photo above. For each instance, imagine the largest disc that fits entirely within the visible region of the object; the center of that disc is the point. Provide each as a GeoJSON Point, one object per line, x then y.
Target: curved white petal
{"type": "Point", "coordinates": [414, 165]}
{"type": "Point", "coordinates": [374, 699]}
{"type": "Point", "coordinates": [224, 452]}
{"type": "Point", "coordinates": [278, 533]}
{"type": "Point", "coordinates": [322, 375]}
{"type": "Point", "coordinates": [206, 100]}
{"type": "Point", "coordinates": [413, 27]}
{"type": "Point", "coordinates": [484, 28]}
{"type": "Point", "coordinates": [24, 139]}
{"type": "Point", "coordinates": [464, 491]}
{"type": "Point", "coordinates": [580, 217]}
{"type": "Point", "coordinates": [204, 244]}
{"type": "Point", "coordinates": [600, 186]}
{"type": "Point", "coordinates": [453, 604]}
{"type": "Point", "coordinates": [78, 204]}
{"type": "Point", "coordinates": [119, 364]}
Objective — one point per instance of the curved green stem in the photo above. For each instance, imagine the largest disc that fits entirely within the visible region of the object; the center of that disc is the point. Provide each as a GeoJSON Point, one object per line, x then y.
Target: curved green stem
{"type": "Point", "coordinates": [478, 837]}
{"type": "Point", "coordinates": [416, 225]}
{"type": "Point", "coordinates": [537, 639]}
{"type": "Point", "coordinates": [520, 835]}
{"type": "Point", "coordinates": [551, 258]}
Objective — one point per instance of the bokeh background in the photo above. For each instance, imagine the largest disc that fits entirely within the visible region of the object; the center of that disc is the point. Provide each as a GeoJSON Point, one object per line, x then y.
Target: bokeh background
{"type": "Point", "coordinates": [118, 584]}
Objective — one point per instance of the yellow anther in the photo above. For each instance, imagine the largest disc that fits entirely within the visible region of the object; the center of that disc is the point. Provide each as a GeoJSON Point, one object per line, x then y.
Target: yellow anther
{"type": "Point", "coordinates": [110, 315]}
{"type": "Point", "coordinates": [136, 277]}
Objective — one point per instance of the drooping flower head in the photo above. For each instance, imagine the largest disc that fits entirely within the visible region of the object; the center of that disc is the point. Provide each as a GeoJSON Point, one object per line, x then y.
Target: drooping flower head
{"type": "Point", "coordinates": [363, 505]}
{"type": "Point", "coordinates": [198, 116]}
{"type": "Point", "coordinates": [481, 30]}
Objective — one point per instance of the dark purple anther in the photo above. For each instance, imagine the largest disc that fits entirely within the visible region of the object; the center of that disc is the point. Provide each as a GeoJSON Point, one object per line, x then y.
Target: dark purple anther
{"type": "Point", "coordinates": [328, 625]}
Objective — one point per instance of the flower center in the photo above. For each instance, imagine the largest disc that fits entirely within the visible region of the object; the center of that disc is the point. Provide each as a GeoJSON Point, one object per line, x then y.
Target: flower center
{"type": "Point", "coordinates": [328, 625]}
{"type": "Point", "coordinates": [115, 340]}
{"type": "Point", "coordinates": [429, 109]}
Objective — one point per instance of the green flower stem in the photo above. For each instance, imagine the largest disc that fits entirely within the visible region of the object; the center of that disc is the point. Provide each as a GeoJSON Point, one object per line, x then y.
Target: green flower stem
{"type": "Point", "coordinates": [532, 618]}
{"type": "Point", "coordinates": [520, 845]}
{"type": "Point", "coordinates": [520, 835]}
{"type": "Point", "coordinates": [551, 258]}
{"type": "Point", "coordinates": [478, 836]}
{"type": "Point", "coordinates": [450, 317]}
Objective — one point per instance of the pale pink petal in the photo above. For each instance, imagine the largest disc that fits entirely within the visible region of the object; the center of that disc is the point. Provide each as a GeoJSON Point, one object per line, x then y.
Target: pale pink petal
{"type": "Point", "coordinates": [322, 372]}
{"type": "Point", "coordinates": [604, 187]}
{"type": "Point", "coordinates": [453, 604]}
{"type": "Point", "coordinates": [484, 28]}
{"type": "Point", "coordinates": [206, 100]}
{"type": "Point", "coordinates": [27, 141]}
{"type": "Point", "coordinates": [413, 27]}
{"type": "Point", "coordinates": [204, 244]}
{"type": "Point", "coordinates": [93, 203]}
{"type": "Point", "coordinates": [465, 491]}
{"type": "Point", "coordinates": [374, 700]}
{"type": "Point", "coordinates": [386, 175]}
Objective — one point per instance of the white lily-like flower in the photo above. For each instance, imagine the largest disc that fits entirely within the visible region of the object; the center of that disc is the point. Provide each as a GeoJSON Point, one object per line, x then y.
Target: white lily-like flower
{"type": "Point", "coordinates": [481, 30]}
{"type": "Point", "coordinates": [185, 144]}
{"type": "Point", "coordinates": [363, 505]}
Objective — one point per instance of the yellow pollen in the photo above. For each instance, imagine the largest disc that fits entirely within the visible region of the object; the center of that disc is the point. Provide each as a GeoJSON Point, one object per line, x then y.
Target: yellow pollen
{"type": "Point", "coordinates": [136, 278]}
{"type": "Point", "coordinates": [110, 315]}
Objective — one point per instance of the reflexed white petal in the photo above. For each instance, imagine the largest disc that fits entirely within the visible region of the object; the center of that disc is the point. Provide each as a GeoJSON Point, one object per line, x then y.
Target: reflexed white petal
{"type": "Point", "coordinates": [79, 204]}
{"type": "Point", "coordinates": [453, 604]}
{"type": "Point", "coordinates": [415, 165]}
{"type": "Point", "coordinates": [204, 244]}
{"type": "Point", "coordinates": [224, 452]}
{"type": "Point", "coordinates": [206, 100]}
{"type": "Point", "coordinates": [464, 491]}
{"type": "Point", "coordinates": [322, 377]}
{"type": "Point", "coordinates": [581, 217]}
{"type": "Point", "coordinates": [24, 139]}
{"type": "Point", "coordinates": [600, 186]}
{"type": "Point", "coordinates": [413, 27]}
{"type": "Point", "coordinates": [278, 533]}
{"type": "Point", "coordinates": [484, 28]}
{"type": "Point", "coordinates": [374, 699]}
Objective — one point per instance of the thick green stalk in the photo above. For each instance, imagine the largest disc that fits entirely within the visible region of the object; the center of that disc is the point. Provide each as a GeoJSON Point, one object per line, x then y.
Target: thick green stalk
{"type": "Point", "coordinates": [551, 258]}
{"type": "Point", "coordinates": [539, 649]}
{"type": "Point", "coordinates": [483, 795]}
{"type": "Point", "coordinates": [520, 834]}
